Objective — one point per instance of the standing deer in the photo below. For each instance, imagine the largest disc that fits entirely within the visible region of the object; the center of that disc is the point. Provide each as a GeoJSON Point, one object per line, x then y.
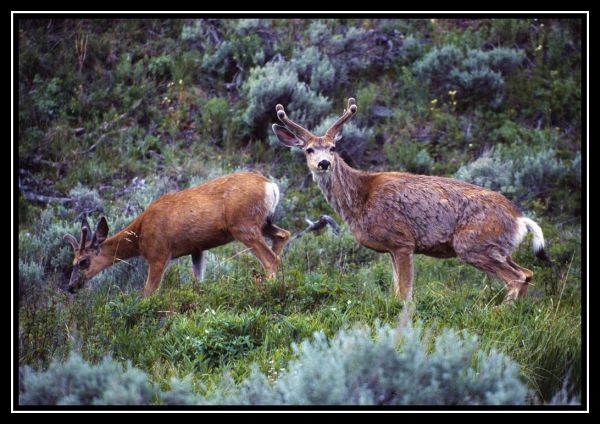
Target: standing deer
{"type": "Point", "coordinates": [403, 214]}
{"type": "Point", "coordinates": [188, 222]}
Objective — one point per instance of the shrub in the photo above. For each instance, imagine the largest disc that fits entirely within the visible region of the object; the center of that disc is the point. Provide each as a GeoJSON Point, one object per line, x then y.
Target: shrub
{"type": "Point", "coordinates": [395, 367]}
{"type": "Point", "coordinates": [475, 74]}
{"type": "Point", "coordinates": [514, 172]}
{"type": "Point", "coordinates": [314, 68]}
{"type": "Point", "coordinates": [76, 382]}
{"type": "Point", "coordinates": [213, 117]}
{"type": "Point", "coordinates": [278, 82]}
{"type": "Point", "coordinates": [409, 157]}
{"type": "Point", "coordinates": [489, 171]}
{"type": "Point", "coordinates": [85, 201]}
{"type": "Point", "coordinates": [30, 275]}
{"type": "Point", "coordinates": [161, 66]}
{"type": "Point", "coordinates": [539, 172]}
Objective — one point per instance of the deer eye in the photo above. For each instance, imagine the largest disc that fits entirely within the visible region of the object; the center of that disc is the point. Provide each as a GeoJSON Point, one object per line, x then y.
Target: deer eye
{"type": "Point", "coordinates": [332, 149]}
{"type": "Point", "coordinates": [84, 263]}
{"type": "Point", "coordinates": [310, 150]}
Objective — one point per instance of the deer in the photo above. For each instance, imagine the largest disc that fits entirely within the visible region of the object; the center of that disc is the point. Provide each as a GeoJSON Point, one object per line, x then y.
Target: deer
{"type": "Point", "coordinates": [404, 214]}
{"type": "Point", "coordinates": [189, 222]}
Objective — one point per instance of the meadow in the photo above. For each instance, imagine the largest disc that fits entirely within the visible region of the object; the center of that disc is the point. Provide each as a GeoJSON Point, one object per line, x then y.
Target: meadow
{"type": "Point", "coordinates": [114, 113]}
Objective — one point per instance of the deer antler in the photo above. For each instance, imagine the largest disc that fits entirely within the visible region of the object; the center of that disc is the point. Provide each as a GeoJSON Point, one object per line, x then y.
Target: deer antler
{"type": "Point", "coordinates": [300, 131]}
{"type": "Point", "coordinates": [348, 113]}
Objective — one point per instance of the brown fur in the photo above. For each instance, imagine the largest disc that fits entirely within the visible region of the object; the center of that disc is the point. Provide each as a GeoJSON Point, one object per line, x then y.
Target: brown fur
{"type": "Point", "coordinates": [403, 214]}
{"type": "Point", "coordinates": [189, 222]}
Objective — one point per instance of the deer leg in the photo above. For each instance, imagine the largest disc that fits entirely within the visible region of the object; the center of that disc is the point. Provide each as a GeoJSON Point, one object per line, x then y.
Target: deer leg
{"type": "Point", "coordinates": [514, 279]}
{"type": "Point", "coordinates": [155, 271]}
{"type": "Point", "coordinates": [198, 264]}
{"type": "Point", "coordinates": [402, 267]}
{"type": "Point", "coordinates": [278, 235]}
{"type": "Point", "coordinates": [253, 239]}
{"type": "Point", "coordinates": [528, 275]}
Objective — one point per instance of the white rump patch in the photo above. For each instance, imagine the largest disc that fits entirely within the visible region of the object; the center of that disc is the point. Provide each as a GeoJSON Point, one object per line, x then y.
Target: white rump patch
{"type": "Point", "coordinates": [271, 197]}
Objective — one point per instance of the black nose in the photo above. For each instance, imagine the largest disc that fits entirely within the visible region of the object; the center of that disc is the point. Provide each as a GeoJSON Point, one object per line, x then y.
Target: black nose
{"type": "Point", "coordinates": [324, 164]}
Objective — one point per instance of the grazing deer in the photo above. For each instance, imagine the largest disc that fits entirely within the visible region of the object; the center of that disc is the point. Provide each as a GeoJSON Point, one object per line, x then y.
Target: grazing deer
{"type": "Point", "coordinates": [403, 214]}
{"type": "Point", "coordinates": [188, 222]}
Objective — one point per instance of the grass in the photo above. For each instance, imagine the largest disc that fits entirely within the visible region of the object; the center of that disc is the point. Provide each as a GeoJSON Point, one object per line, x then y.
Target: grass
{"type": "Point", "coordinates": [226, 323]}
{"type": "Point", "coordinates": [150, 110]}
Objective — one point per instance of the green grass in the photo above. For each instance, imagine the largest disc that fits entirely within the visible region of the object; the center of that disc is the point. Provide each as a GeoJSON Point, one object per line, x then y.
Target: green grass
{"type": "Point", "coordinates": [227, 323]}
{"type": "Point", "coordinates": [123, 114]}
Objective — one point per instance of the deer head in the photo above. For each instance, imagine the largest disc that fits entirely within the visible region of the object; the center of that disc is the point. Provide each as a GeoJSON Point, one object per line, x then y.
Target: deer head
{"type": "Point", "coordinates": [319, 151]}
{"type": "Point", "coordinates": [87, 261]}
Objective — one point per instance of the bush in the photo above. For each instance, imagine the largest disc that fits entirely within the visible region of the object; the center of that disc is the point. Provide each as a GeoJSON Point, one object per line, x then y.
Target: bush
{"type": "Point", "coordinates": [85, 201]}
{"type": "Point", "coordinates": [475, 74]}
{"type": "Point", "coordinates": [315, 69]}
{"type": "Point", "coordinates": [213, 118]}
{"type": "Point", "coordinates": [409, 157]}
{"type": "Point", "coordinates": [393, 368]}
{"type": "Point", "coordinates": [278, 82]}
{"type": "Point", "coordinates": [75, 382]}
{"type": "Point", "coordinates": [30, 275]}
{"type": "Point", "coordinates": [489, 171]}
{"type": "Point", "coordinates": [539, 173]}
{"type": "Point", "coordinates": [514, 172]}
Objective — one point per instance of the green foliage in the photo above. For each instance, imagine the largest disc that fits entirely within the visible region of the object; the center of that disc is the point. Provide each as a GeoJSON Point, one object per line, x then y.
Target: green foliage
{"type": "Point", "coordinates": [408, 157]}
{"type": "Point", "coordinates": [213, 119]}
{"type": "Point", "coordinates": [85, 201]}
{"type": "Point", "coordinates": [475, 74]}
{"type": "Point", "coordinates": [514, 172]}
{"type": "Point", "coordinates": [157, 105]}
{"type": "Point", "coordinates": [77, 383]}
{"type": "Point", "coordinates": [489, 172]}
{"type": "Point", "coordinates": [314, 68]}
{"type": "Point", "coordinates": [353, 368]}
{"type": "Point", "coordinates": [277, 82]}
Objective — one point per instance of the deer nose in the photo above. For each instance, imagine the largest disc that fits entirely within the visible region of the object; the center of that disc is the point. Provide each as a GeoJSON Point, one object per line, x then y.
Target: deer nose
{"type": "Point", "coordinates": [324, 165]}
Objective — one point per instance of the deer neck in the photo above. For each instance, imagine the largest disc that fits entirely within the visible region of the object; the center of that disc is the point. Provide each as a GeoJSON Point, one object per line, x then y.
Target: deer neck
{"type": "Point", "coordinates": [121, 246]}
{"type": "Point", "coordinates": [345, 189]}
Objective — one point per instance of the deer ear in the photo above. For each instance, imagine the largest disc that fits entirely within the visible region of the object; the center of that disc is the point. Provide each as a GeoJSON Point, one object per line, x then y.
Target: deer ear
{"type": "Point", "coordinates": [287, 137]}
{"type": "Point", "coordinates": [101, 232]}
{"type": "Point", "coordinates": [71, 240]}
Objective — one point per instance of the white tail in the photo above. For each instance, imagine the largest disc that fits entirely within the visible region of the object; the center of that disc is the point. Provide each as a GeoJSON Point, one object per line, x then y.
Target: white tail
{"type": "Point", "coordinates": [536, 231]}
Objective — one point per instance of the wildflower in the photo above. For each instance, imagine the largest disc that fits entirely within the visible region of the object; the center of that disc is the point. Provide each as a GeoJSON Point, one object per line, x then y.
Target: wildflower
{"type": "Point", "coordinates": [434, 102]}
{"type": "Point", "coordinates": [187, 337]}
{"type": "Point", "coordinates": [349, 302]}
{"type": "Point", "coordinates": [205, 331]}
{"type": "Point", "coordinates": [538, 48]}
{"type": "Point", "coordinates": [333, 309]}
{"type": "Point", "coordinates": [180, 82]}
{"type": "Point", "coordinates": [452, 93]}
